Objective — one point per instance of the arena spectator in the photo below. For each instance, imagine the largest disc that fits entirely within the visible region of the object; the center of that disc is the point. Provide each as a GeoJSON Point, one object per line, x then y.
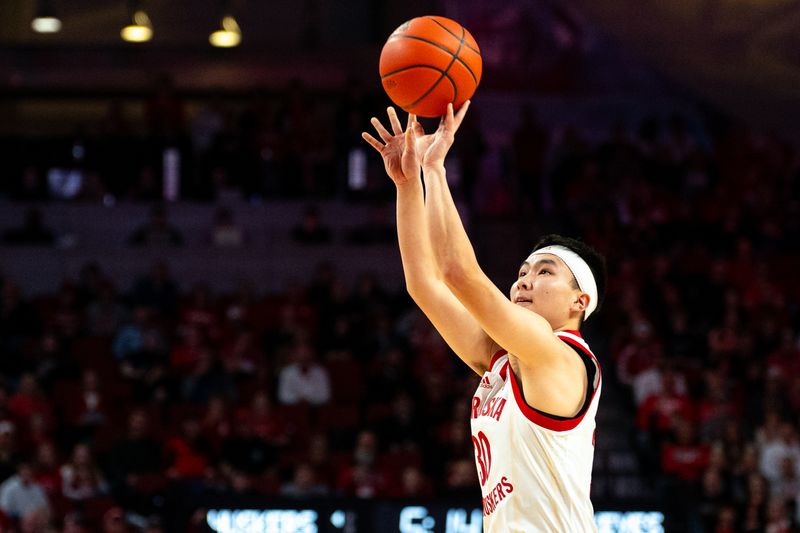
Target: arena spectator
{"type": "Point", "coordinates": [216, 424]}
{"type": "Point", "coordinates": [92, 405]}
{"type": "Point", "coordinates": [8, 449]}
{"type": "Point", "coordinates": [461, 479]}
{"type": "Point", "coordinates": [207, 378]}
{"type": "Point", "coordinates": [414, 483]}
{"type": "Point", "coordinates": [29, 400]}
{"type": "Point", "coordinates": [361, 477]}
{"type": "Point", "coordinates": [225, 233]}
{"type": "Point", "coordinates": [241, 354]}
{"type": "Point", "coordinates": [114, 521]}
{"type": "Point", "coordinates": [74, 522]}
{"type": "Point", "coordinates": [140, 345]}
{"type": "Point", "coordinates": [21, 495]}
{"type": "Point", "coordinates": [187, 452]}
{"type": "Point", "coordinates": [266, 420]}
{"type": "Point", "coordinates": [134, 462]}
{"type": "Point", "coordinates": [303, 379]}
{"type": "Point", "coordinates": [47, 471]}
{"type": "Point", "coordinates": [784, 445]}
{"type": "Point", "coordinates": [304, 484]}
{"type": "Point", "coordinates": [36, 521]}
{"type": "Point", "coordinates": [787, 486]}
{"type": "Point", "coordinates": [685, 458]}
{"type": "Point", "coordinates": [81, 477]}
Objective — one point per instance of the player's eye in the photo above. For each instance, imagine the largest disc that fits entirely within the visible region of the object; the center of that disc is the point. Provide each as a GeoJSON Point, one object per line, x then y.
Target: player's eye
{"type": "Point", "coordinates": [522, 273]}
{"type": "Point", "coordinates": [544, 271]}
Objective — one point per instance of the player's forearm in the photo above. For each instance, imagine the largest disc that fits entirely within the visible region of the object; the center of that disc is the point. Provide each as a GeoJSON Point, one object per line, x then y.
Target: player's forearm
{"type": "Point", "coordinates": [449, 240]}
{"type": "Point", "coordinates": [419, 264]}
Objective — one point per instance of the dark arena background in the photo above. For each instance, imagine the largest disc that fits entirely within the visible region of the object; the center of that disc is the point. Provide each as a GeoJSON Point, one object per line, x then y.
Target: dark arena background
{"type": "Point", "coordinates": [203, 321]}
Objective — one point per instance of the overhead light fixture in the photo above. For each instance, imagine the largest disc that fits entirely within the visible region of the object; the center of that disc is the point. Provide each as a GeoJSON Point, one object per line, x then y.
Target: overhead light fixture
{"type": "Point", "coordinates": [46, 20]}
{"type": "Point", "coordinates": [228, 35]}
{"type": "Point", "coordinates": [139, 29]}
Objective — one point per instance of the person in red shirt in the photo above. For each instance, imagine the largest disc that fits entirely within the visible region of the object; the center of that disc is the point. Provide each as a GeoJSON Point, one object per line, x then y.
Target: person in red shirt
{"type": "Point", "coordinates": [362, 477]}
{"type": "Point", "coordinates": [29, 401]}
{"type": "Point", "coordinates": [188, 452]}
{"type": "Point", "coordinates": [685, 458]}
{"type": "Point", "coordinates": [659, 410]}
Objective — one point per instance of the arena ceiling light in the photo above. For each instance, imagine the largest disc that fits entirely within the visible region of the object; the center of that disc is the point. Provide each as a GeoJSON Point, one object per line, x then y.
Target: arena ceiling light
{"type": "Point", "coordinates": [45, 20]}
{"type": "Point", "coordinates": [228, 35]}
{"type": "Point", "coordinates": [139, 29]}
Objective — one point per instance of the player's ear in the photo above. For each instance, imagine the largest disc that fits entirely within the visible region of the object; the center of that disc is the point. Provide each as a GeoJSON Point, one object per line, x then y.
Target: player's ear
{"type": "Point", "coordinates": [581, 302]}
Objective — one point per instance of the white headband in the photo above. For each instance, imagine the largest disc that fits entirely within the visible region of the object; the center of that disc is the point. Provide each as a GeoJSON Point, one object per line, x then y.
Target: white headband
{"type": "Point", "coordinates": [581, 271]}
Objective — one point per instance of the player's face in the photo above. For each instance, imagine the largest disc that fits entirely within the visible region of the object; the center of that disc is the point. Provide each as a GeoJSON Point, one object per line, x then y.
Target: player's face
{"type": "Point", "coordinates": [546, 287]}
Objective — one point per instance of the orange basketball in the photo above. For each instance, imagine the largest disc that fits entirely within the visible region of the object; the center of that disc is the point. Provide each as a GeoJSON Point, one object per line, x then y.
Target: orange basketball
{"type": "Point", "coordinates": [429, 62]}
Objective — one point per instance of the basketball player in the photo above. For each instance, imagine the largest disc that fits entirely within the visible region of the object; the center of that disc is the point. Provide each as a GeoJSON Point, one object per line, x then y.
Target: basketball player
{"type": "Point", "coordinates": [533, 415]}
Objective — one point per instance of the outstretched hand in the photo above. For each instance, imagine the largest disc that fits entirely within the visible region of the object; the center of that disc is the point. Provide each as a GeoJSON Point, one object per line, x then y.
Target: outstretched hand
{"type": "Point", "coordinates": [398, 148]}
{"type": "Point", "coordinates": [432, 148]}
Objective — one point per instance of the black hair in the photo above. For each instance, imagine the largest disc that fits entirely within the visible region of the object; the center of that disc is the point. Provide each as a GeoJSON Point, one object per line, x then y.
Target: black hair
{"type": "Point", "coordinates": [596, 262]}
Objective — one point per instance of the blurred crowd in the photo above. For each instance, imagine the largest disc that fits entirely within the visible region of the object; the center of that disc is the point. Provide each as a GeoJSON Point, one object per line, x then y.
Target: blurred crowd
{"type": "Point", "coordinates": [117, 402]}
{"type": "Point", "coordinates": [278, 143]}
{"type": "Point", "coordinates": [701, 234]}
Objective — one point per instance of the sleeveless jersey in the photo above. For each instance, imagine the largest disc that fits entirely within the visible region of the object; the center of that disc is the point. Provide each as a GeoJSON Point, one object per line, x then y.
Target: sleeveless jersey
{"type": "Point", "coordinates": [535, 469]}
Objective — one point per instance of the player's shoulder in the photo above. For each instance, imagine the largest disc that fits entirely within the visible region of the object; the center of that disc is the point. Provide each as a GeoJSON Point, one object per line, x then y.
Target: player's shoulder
{"type": "Point", "coordinates": [574, 339]}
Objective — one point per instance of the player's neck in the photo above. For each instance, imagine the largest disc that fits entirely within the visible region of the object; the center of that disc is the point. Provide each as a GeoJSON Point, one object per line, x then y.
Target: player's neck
{"type": "Point", "coordinates": [569, 325]}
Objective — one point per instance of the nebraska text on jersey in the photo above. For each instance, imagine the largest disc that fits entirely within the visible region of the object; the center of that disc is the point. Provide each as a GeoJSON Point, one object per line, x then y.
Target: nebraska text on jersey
{"type": "Point", "coordinates": [535, 469]}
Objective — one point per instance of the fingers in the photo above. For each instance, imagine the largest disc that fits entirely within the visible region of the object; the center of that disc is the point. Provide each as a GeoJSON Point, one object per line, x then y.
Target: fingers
{"type": "Point", "coordinates": [412, 118]}
{"type": "Point", "coordinates": [410, 134]}
{"type": "Point", "coordinates": [414, 124]}
{"type": "Point", "coordinates": [383, 132]}
{"type": "Point", "coordinates": [459, 118]}
{"type": "Point", "coordinates": [394, 121]}
{"type": "Point", "coordinates": [372, 141]}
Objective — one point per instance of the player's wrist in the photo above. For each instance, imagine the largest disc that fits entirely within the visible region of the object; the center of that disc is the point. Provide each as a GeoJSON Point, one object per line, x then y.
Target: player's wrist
{"type": "Point", "coordinates": [405, 182]}
{"type": "Point", "coordinates": [436, 166]}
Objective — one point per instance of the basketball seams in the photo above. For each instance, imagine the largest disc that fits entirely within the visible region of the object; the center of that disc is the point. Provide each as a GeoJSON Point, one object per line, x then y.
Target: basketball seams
{"type": "Point", "coordinates": [446, 76]}
{"type": "Point", "coordinates": [432, 87]}
{"type": "Point", "coordinates": [444, 48]}
{"type": "Point", "coordinates": [444, 73]}
{"type": "Point", "coordinates": [445, 28]}
{"type": "Point", "coordinates": [409, 67]}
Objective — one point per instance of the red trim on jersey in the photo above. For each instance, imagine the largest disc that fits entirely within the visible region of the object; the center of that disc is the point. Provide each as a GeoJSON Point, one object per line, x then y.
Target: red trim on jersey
{"type": "Point", "coordinates": [585, 350]}
{"type": "Point", "coordinates": [543, 420]}
{"type": "Point", "coordinates": [498, 354]}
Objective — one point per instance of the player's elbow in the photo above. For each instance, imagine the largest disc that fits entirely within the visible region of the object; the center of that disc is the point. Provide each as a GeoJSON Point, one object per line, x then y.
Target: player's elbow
{"type": "Point", "coordinates": [415, 287]}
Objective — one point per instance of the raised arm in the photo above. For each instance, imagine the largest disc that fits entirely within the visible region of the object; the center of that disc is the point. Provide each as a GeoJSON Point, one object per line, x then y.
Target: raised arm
{"type": "Point", "coordinates": [523, 333]}
{"type": "Point", "coordinates": [423, 277]}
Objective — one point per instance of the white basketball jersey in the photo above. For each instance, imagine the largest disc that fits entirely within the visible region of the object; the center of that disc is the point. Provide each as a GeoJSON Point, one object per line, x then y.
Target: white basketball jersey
{"type": "Point", "coordinates": [535, 469]}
